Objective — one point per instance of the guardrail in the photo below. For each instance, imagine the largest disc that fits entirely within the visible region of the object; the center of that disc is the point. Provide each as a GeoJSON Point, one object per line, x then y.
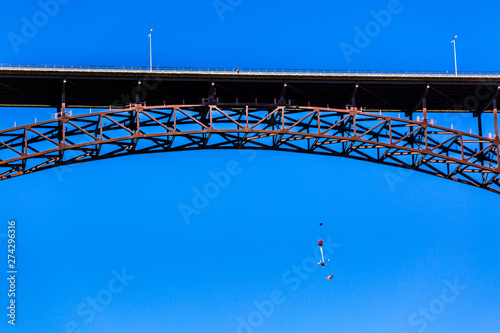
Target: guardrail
{"type": "Point", "coordinates": [245, 70]}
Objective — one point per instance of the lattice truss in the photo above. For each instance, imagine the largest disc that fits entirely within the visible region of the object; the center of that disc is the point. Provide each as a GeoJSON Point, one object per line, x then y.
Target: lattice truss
{"type": "Point", "coordinates": [416, 145]}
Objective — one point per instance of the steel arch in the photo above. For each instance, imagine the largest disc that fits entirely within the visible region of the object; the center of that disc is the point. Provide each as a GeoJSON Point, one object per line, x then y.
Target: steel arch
{"type": "Point", "coordinates": [352, 133]}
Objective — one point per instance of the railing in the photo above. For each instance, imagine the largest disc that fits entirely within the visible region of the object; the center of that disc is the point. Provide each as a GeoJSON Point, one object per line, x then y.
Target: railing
{"type": "Point", "coordinates": [245, 70]}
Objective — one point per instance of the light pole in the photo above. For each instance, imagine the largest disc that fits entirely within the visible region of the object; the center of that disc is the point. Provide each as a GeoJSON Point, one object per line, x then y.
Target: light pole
{"type": "Point", "coordinates": [150, 52]}
{"type": "Point", "coordinates": [455, 52]}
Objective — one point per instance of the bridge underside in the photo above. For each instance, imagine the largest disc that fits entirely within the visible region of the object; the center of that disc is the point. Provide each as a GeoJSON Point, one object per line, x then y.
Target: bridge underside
{"type": "Point", "coordinates": [348, 132]}
{"type": "Point", "coordinates": [96, 89]}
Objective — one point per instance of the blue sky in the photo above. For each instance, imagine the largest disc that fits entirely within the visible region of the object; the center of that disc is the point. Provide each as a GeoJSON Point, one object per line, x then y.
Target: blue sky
{"type": "Point", "coordinates": [113, 229]}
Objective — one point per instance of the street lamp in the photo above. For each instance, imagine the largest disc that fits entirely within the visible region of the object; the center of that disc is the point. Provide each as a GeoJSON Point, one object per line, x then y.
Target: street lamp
{"type": "Point", "coordinates": [455, 52]}
{"type": "Point", "coordinates": [150, 52]}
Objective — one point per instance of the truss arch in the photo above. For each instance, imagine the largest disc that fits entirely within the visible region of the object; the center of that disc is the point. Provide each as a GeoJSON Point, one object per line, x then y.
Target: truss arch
{"type": "Point", "coordinates": [351, 132]}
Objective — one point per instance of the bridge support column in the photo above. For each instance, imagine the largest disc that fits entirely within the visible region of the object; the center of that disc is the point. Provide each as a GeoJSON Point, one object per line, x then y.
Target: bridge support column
{"type": "Point", "coordinates": [424, 120]}
{"type": "Point", "coordinates": [61, 111]}
{"type": "Point", "coordinates": [212, 94]}
{"type": "Point", "coordinates": [495, 117]}
{"type": "Point", "coordinates": [353, 95]}
{"type": "Point", "coordinates": [496, 140]}
{"type": "Point", "coordinates": [353, 112]}
{"type": "Point", "coordinates": [424, 109]}
{"type": "Point", "coordinates": [137, 93]}
{"type": "Point", "coordinates": [246, 113]}
{"type": "Point", "coordinates": [211, 122]}
{"type": "Point", "coordinates": [480, 131]}
{"type": "Point", "coordinates": [282, 100]}
{"type": "Point", "coordinates": [479, 125]}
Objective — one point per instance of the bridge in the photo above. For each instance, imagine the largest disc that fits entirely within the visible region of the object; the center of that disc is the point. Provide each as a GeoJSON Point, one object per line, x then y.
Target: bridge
{"type": "Point", "coordinates": [381, 117]}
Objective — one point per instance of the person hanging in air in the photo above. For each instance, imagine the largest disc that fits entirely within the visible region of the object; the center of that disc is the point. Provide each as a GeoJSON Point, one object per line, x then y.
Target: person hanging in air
{"type": "Point", "coordinates": [322, 261]}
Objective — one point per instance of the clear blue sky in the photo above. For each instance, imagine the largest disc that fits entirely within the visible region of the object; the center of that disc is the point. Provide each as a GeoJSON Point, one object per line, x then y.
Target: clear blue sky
{"type": "Point", "coordinates": [410, 252]}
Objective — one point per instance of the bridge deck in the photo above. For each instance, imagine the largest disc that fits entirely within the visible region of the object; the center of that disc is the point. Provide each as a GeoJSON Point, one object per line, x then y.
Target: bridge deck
{"type": "Point", "coordinates": [102, 87]}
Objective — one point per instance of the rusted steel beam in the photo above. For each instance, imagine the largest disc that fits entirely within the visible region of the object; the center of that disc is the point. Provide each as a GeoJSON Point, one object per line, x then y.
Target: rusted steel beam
{"type": "Point", "coordinates": [352, 133]}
